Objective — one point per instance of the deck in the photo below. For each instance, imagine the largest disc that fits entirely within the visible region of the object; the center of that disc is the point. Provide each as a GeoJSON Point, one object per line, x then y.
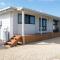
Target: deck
{"type": "Point", "coordinates": [39, 37]}
{"type": "Point", "coordinates": [31, 38]}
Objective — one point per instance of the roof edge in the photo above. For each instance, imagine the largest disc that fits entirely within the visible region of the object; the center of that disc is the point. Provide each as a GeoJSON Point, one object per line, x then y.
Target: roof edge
{"type": "Point", "coordinates": [22, 8]}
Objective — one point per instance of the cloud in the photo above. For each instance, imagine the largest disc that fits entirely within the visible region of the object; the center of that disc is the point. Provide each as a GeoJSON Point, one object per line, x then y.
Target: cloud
{"type": "Point", "coordinates": [2, 3]}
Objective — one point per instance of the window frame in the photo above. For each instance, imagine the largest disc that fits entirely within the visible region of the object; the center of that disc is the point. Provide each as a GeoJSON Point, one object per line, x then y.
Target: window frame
{"type": "Point", "coordinates": [26, 18]}
{"type": "Point", "coordinates": [29, 18]}
{"type": "Point", "coordinates": [19, 19]}
{"type": "Point", "coordinates": [44, 26]}
{"type": "Point", "coordinates": [34, 19]}
{"type": "Point", "coordinates": [42, 23]}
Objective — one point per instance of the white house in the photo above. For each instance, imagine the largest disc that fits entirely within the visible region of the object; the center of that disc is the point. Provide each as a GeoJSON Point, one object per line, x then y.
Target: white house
{"type": "Point", "coordinates": [26, 21]}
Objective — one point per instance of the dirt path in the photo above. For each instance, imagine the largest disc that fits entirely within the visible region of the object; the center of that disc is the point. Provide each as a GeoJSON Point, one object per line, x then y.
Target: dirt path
{"type": "Point", "coordinates": [44, 50]}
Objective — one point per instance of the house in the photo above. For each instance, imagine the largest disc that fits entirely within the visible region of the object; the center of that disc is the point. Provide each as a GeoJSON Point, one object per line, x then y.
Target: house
{"type": "Point", "coordinates": [24, 21]}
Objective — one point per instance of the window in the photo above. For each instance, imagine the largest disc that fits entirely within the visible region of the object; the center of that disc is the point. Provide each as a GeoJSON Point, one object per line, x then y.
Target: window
{"type": "Point", "coordinates": [55, 22]}
{"type": "Point", "coordinates": [32, 20]}
{"type": "Point", "coordinates": [19, 18]}
{"type": "Point", "coordinates": [39, 24]}
{"type": "Point", "coordinates": [29, 19]}
{"type": "Point", "coordinates": [44, 24]}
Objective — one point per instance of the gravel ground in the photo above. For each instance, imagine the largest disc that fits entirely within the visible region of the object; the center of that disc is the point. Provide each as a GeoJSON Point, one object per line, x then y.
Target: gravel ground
{"type": "Point", "coordinates": [42, 50]}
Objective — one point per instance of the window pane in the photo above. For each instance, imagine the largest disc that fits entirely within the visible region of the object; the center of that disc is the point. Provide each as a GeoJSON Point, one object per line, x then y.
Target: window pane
{"type": "Point", "coordinates": [19, 18]}
{"type": "Point", "coordinates": [39, 22]}
{"type": "Point", "coordinates": [55, 22]}
{"type": "Point", "coordinates": [44, 24]}
{"type": "Point", "coordinates": [44, 28]}
{"type": "Point", "coordinates": [32, 20]}
{"type": "Point", "coordinates": [27, 19]}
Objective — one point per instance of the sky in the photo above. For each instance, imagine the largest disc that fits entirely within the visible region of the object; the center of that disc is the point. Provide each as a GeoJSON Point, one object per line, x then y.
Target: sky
{"type": "Point", "coordinates": [47, 6]}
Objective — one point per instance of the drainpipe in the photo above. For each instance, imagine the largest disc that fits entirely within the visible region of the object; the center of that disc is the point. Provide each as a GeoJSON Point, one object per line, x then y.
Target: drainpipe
{"type": "Point", "coordinates": [41, 25]}
{"type": "Point", "coordinates": [23, 27]}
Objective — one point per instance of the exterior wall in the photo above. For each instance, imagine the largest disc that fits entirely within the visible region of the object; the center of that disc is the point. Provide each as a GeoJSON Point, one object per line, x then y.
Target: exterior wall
{"type": "Point", "coordinates": [15, 23]}
{"type": "Point", "coordinates": [30, 28]}
{"type": "Point", "coordinates": [59, 25]}
{"type": "Point", "coordinates": [37, 24]}
{"type": "Point", "coordinates": [50, 25]}
{"type": "Point", "coordinates": [5, 19]}
{"type": "Point", "coordinates": [10, 22]}
{"type": "Point", "coordinates": [17, 28]}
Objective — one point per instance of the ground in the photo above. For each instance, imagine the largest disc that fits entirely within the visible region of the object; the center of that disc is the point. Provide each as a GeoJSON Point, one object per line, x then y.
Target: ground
{"type": "Point", "coordinates": [42, 50]}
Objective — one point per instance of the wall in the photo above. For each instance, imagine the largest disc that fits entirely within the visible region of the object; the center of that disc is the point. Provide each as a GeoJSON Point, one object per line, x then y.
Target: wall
{"type": "Point", "coordinates": [30, 28]}
{"type": "Point", "coordinates": [17, 28]}
{"type": "Point", "coordinates": [59, 25]}
{"type": "Point", "coordinates": [50, 25]}
{"type": "Point", "coordinates": [5, 18]}
{"type": "Point", "coordinates": [37, 24]}
{"type": "Point", "coordinates": [15, 23]}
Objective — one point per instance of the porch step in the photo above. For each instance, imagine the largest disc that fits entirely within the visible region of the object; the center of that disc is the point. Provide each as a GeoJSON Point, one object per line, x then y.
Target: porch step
{"type": "Point", "coordinates": [14, 40]}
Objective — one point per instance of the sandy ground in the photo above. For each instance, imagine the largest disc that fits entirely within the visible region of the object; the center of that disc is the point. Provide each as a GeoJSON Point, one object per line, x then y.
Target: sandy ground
{"type": "Point", "coordinates": [42, 50]}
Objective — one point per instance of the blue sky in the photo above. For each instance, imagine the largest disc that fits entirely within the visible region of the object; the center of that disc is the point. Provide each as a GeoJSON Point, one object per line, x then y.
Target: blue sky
{"type": "Point", "coordinates": [48, 6]}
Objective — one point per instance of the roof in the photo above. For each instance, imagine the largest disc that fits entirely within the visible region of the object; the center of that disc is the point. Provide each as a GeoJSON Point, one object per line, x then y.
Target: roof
{"type": "Point", "coordinates": [26, 9]}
